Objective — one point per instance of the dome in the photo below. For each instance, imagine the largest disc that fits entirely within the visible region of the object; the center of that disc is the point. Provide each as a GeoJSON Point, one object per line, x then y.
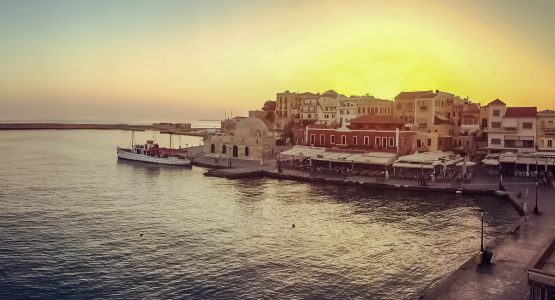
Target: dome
{"type": "Point", "coordinates": [251, 127]}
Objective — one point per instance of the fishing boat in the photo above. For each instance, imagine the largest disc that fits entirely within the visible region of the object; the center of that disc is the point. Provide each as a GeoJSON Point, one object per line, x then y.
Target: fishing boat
{"type": "Point", "coordinates": [150, 152]}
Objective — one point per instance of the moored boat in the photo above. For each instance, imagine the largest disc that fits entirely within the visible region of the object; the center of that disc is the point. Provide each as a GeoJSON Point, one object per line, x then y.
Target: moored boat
{"type": "Point", "coordinates": [151, 152]}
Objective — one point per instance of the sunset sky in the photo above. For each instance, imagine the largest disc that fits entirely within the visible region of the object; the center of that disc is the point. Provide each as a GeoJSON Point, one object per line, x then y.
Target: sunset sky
{"type": "Point", "coordinates": [179, 60]}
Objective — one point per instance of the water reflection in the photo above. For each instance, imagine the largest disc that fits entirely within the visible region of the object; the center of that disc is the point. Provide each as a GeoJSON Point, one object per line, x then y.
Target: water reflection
{"type": "Point", "coordinates": [71, 223]}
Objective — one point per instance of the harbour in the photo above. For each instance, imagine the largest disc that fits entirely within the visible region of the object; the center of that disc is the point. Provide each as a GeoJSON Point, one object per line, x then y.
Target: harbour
{"type": "Point", "coordinates": [221, 238]}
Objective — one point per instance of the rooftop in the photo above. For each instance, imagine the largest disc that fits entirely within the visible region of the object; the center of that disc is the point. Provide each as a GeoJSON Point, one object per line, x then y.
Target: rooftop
{"type": "Point", "coordinates": [521, 112]}
{"type": "Point", "coordinates": [496, 102]}
{"type": "Point", "coordinates": [411, 95]}
{"type": "Point", "coordinates": [373, 119]}
{"type": "Point", "coordinates": [427, 95]}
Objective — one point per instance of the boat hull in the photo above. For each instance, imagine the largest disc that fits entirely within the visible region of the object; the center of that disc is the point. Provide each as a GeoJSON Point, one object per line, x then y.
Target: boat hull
{"type": "Point", "coordinates": [174, 161]}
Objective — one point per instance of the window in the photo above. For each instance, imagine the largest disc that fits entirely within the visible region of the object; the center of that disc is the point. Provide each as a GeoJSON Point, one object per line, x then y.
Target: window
{"type": "Point", "coordinates": [332, 139]}
{"type": "Point", "coordinates": [429, 142]}
{"type": "Point", "coordinates": [377, 141]}
{"type": "Point", "coordinates": [322, 139]}
{"type": "Point", "coordinates": [495, 124]}
{"type": "Point", "coordinates": [355, 140]}
{"type": "Point", "coordinates": [496, 141]}
{"type": "Point", "coordinates": [391, 142]}
{"type": "Point", "coordinates": [235, 151]}
{"type": "Point", "coordinates": [550, 143]}
{"type": "Point", "coordinates": [212, 148]}
{"type": "Point", "coordinates": [384, 142]}
{"type": "Point", "coordinates": [312, 139]}
{"type": "Point", "coordinates": [223, 149]}
{"type": "Point", "coordinates": [366, 140]}
{"type": "Point", "coordinates": [247, 151]}
{"type": "Point", "coordinates": [527, 125]}
{"type": "Point", "coordinates": [496, 113]}
{"type": "Point", "coordinates": [344, 140]}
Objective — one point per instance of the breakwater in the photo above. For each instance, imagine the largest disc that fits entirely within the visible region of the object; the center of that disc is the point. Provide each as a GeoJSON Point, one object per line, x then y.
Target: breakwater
{"type": "Point", "coordinates": [69, 126]}
{"type": "Point", "coordinates": [97, 126]}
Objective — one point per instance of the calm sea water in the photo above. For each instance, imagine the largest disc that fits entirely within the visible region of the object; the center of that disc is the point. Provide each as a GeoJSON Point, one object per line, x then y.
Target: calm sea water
{"type": "Point", "coordinates": [71, 217]}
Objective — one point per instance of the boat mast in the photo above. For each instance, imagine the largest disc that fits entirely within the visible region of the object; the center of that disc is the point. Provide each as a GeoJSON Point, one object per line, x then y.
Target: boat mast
{"type": "Point", "coordinates": [132, 138]}
{"type": "Point", "coordinates": [170, 140]}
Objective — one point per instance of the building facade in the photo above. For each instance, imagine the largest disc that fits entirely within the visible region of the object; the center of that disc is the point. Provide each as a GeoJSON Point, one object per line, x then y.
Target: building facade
{"type": "Point", "coordinates": [250, 140]}
{"type": "Point", "coordinates": [546, 130]}
{"type": "Point", "coordinates": [511, 128]}
{"type": "Point", "coordinates": [368, 133]}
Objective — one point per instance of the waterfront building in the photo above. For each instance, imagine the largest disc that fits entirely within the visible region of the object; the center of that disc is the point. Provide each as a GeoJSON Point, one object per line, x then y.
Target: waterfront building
{"type": "Point", "coordinates": [346, 110]}
{"type": "Point", "coordinates": [546, 130]}
{"type": "Point", "coordinates": [367, 133]}
{"type": "Point", "coordinates": [511, 128]}
{"type": "Point", "coordinates": [288, 106]}
{"type": "Point", "coordinates": [404, 105]}
{"type": "Point", "coordinates": [370, 105]}
{"type": "Point", "coordinates": [437, 117]}
{"type": "Point", "coordinates": [327, 108]}
{"type": "Point", "coordinates": [309, 107]}
{"type": "Point", "coordinates": [250, 140]}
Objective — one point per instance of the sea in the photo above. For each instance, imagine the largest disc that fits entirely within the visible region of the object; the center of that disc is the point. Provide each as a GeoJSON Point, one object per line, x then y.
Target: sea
{"type": "Point", "coordinates": [76, 223]}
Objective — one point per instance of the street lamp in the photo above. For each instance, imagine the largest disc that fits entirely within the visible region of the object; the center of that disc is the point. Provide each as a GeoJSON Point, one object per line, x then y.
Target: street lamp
{"type": "Point", "coordinates": [536, 212]}
{"type": "Point", "coordinates": [482, 231]}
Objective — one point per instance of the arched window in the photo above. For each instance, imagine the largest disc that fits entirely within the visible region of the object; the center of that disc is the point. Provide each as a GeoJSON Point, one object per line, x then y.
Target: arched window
{"type": "Point", "coordinates": [246, 151]}
{"type": "Point", "coordinates": [223, 149]}
{"type": "Point", "coordinates": [235, 151]}
{"type": "Point", "coordinates": [212, 148]}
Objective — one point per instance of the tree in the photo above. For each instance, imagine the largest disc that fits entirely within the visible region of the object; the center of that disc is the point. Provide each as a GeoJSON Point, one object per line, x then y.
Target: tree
{"type": "Point", "coordinates": [269, 105]}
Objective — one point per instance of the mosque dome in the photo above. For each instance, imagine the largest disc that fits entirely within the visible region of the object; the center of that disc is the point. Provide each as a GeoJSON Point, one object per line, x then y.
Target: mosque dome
{"type": "Point", "coordinates": [251, 127]}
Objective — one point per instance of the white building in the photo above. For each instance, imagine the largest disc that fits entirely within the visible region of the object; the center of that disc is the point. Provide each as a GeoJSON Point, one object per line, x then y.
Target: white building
{"type": "Point", "coordinates": [546, 130]}
{"type": "Point", "coordinates": [511, 128]}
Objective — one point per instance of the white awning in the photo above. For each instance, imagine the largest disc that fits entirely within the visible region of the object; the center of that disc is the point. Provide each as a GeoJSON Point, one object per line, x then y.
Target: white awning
{"type": "Point", "coordinates": [468, 164]}
{"type": "Point", "coordinates": [412, 166]}
{"type": "Point", "coordinates": [302, 151]}
{"type": "Point", "coordinates": [374, 158]}
{"type": "Point", "coordinates": [334, 156]}
{"type": "Point", "coordinates": [490, 162]}
{"type": "Point", "coordinates": [507, 157]}
{"type": "Point", "coordinates": [526, 161]}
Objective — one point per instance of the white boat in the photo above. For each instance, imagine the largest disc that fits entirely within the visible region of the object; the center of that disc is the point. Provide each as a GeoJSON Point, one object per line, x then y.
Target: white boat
{"type": "Point", "coordinates": [153, 153]}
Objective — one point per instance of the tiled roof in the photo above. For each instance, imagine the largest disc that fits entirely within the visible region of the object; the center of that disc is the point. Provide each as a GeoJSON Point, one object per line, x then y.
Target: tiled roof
{"type": "Point", "coordinates": [322, 126]}
{"type": "Point", "coordinates": [428, 95]}
{"type": "Point", "coordinates": [521, 112]}
{"type": "Point", "coordinates": [496, 102]}
{"type": "Point", "coordinates": [372, 119]}
{"type": "Point", "coordinates": [411, 95]}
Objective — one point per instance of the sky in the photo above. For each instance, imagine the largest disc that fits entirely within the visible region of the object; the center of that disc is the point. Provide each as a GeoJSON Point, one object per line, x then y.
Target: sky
{"type": "Point", "coordinates": [180, 60]}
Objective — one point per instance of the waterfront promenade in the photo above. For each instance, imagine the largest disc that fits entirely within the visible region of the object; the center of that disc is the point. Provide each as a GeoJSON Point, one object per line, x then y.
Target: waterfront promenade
{"type": "Point", "coordinates": [506, 277]}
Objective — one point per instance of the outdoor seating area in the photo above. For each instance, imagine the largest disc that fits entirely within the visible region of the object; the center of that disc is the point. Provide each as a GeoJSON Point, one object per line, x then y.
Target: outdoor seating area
{"type": "Point", "coordinates": [433, 166]}
{"type": "Point", "coordinates": [429, 166]}
{"type": "Point", "coordinates": [326, 161]}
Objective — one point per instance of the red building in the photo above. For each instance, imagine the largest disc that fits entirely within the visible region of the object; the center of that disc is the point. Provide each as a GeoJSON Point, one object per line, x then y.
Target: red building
{"type": "Point", "coordinates": [368, 132]}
